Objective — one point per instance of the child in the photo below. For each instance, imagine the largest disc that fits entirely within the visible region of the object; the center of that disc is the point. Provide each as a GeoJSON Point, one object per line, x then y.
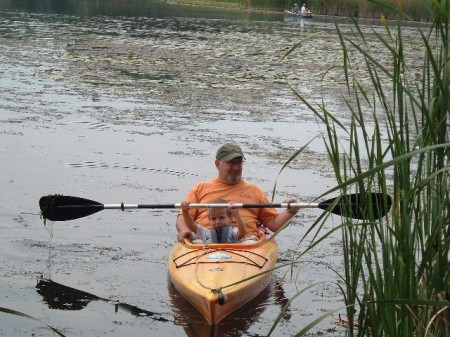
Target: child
{"type": "Point", "coordinates": [220, 219]}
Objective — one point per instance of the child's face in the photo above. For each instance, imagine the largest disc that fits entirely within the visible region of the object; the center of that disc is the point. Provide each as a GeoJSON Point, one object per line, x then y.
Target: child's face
{"type": "Point", "coordinates": [218, 217]}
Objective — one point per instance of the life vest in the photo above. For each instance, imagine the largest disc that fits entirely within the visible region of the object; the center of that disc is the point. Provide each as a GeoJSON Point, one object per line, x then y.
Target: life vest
{"type": "Point", "coordinates": [222, 234]}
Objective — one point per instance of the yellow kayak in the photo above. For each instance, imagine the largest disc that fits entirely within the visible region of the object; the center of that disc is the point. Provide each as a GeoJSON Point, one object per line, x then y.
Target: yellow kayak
{"type": "Point", "coordinates": [209, 276]}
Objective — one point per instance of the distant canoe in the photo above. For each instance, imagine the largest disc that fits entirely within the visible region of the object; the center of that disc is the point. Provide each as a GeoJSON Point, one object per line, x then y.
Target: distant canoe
{"type": "Point", "coordinates": [307, 15]}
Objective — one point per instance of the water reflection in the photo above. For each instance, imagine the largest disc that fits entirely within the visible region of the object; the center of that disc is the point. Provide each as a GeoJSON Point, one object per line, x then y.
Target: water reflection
{"type": "Point", "coordinates": [137, 8]}
{"type": "Point", "coordinates": [58, 296]}
{"type": "Point", "coordinates": [236, 324]}
{"type": "Point", "coordinates": [62, 297]}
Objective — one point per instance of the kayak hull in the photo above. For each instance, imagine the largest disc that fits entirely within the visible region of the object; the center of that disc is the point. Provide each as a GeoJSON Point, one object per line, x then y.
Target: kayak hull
{"type": "Point", "coordinates": [219, 278]}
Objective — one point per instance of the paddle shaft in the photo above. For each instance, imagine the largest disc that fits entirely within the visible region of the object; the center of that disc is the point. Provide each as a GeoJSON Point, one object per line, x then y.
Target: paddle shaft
{"type": "Point", "coordinates": [359, 206]}
{"type": "Point", "coordinates": [237, 205]}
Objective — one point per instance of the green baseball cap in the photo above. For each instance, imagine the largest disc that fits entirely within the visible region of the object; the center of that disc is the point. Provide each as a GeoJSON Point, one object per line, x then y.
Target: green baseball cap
{"type": "Point", "coordinates": [228, 152]}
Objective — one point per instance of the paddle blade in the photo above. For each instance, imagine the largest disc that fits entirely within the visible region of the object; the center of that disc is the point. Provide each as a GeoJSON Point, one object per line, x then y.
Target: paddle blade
{"type": "Point", "coordinates": [62, 208]}
{"type": "Point", "coordinates": [359, 205]}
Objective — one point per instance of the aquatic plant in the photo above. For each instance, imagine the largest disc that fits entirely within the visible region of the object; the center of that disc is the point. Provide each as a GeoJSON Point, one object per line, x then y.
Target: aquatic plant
{"type": "Point", "coordinates": [396, 270]}
{"type": "Point", "coordinates": [21, 314]}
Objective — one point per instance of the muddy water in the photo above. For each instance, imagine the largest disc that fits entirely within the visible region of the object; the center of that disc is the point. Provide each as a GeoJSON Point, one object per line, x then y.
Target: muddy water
{"type": "Point", "coordinates": [132, 108]}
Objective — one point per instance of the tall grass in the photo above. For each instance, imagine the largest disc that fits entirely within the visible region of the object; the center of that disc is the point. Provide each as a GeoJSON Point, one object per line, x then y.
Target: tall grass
{"type": "Point", "coordinates": [418, 10]}
{"type": "Point", "coordinates": [396, 275]}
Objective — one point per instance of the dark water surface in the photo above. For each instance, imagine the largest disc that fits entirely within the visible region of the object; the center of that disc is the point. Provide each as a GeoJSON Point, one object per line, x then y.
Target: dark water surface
{"type": "Point", "coordinates": [136, 8]}
{"type": "Point", "coordinates": [128, 101]}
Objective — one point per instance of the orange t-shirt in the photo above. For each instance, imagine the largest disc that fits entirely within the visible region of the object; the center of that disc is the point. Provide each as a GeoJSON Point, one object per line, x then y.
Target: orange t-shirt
{"type": "Point", "coordinates": [243, 192]}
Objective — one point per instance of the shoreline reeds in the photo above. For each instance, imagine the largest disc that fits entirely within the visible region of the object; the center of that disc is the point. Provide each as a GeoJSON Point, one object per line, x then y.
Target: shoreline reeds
{"type": "Point", "coordinates": [396, 270]}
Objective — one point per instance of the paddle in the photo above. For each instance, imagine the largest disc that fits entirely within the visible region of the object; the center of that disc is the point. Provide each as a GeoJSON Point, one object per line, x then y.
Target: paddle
{"type": "Point", "coordinates": [359, 206]}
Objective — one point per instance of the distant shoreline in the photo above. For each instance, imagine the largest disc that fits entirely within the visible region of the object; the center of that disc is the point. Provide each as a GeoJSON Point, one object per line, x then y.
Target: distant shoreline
{"type": "Point", "coordinates": [331, 18]}
{"type": "Point", "coordinates": [211, 3]}
{"type": "Point", "coordinates": [237, 5]}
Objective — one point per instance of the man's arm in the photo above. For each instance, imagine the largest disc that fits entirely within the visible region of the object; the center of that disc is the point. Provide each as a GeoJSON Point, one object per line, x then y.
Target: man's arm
{"type": "Point", "coordinates": [188, 220]}
{"type": "Point", "coordinates": [282, 217]}
{"type": "Point", "coordinates": [183, 231]}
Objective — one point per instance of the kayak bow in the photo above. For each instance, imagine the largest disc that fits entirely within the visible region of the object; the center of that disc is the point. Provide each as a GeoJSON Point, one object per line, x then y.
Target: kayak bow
{"type": "Point", "coordinates": [219, 278]}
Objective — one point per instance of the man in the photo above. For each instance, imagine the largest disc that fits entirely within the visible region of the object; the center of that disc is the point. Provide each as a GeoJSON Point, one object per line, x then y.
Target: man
{"type": "Point", "coordinates": [303, 10]}
{"type": "Point", "coordinates": [229, 185]}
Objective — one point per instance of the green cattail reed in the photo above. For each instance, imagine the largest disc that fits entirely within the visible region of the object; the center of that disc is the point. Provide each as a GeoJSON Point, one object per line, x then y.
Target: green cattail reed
{"type": "Point", "coordinates": [396, 270]}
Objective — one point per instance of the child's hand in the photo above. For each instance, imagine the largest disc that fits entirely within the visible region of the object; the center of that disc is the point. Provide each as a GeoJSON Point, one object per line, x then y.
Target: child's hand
{"type": "Point", "coordinates": [185, 205]}
{"type": "Point", "coordinates": [232, 208]}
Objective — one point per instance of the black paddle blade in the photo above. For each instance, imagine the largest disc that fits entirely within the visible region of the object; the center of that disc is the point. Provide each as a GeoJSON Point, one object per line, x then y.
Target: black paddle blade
{"type": "Point", "coordinates": [62, 208]}
{"type": "Point", "coordinates": [359, 205]}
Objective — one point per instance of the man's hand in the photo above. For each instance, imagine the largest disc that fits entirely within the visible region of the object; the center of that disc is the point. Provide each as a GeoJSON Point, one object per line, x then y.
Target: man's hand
{"type": "Point", "coordinates": [187, 234]}
{"type": "Point", "coordinates": [292, 210]}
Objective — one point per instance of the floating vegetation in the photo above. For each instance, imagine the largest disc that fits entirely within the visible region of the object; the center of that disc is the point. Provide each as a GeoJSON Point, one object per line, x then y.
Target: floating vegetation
{"type": "Point", "coordinates": [90, 164]}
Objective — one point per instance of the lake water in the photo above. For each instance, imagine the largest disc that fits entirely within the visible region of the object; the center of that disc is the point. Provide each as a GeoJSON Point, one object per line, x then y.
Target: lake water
{"type": "Point", "coordinates": [128, 102]}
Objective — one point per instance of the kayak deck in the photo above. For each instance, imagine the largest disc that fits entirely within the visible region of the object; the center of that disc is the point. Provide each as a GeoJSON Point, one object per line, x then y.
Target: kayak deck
{"type": "Point", "coordinates": [219, 278]}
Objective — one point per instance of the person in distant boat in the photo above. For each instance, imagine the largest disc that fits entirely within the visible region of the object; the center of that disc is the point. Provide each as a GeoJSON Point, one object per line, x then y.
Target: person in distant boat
{"type": "Point", "coordinates": [296, 9]}
{"type": "Point", "coordinates": [303, 10]}
{"type": "Point", "coordinates": [221, 230]}
{"type": "Point", "coordinates": [230, 185]}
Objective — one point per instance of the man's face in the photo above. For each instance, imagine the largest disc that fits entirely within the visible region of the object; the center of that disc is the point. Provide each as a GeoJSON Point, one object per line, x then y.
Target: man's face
{"type": "Point", "coordinates": [230, 172]}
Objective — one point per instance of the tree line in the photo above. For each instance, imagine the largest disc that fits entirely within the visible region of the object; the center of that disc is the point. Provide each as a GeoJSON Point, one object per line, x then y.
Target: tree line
{"type": "Point", "coordinates": [417, 10]}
